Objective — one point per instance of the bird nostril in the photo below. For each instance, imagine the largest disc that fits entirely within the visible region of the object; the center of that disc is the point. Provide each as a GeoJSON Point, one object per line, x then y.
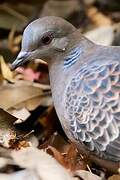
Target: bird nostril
{"type": "Point", "coordinates": [22, 55]}
{"type": "Point", "coordinates": [20, 60]}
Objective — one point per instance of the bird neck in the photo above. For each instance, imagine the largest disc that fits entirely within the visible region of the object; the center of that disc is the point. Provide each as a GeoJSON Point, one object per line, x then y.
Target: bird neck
{"type": "Point", "coordinates": [78, 45]}
{"type": "Point", "coordinates": [72, 56]}
{"type": "Point", "coordinates": [63, 66]}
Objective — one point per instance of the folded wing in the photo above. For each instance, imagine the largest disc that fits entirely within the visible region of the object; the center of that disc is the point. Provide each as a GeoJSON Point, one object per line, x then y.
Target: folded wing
{"type": "Point", "coordinates": [92, 105]}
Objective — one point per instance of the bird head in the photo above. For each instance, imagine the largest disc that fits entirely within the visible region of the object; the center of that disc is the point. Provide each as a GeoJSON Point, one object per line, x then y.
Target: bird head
{"type": "Point", "coordinates": [44, 39]}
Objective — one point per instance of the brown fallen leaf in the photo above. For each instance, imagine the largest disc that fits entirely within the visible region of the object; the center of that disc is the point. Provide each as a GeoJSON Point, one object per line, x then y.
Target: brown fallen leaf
{"type": "Point", "coordinates": [5, 70]}
{"type": "Point", "coordinates": [19, 144]}
{"type": "Point", "coordinates": [56, 154]}
{"type": "Point", "coordinates": [70, 159]}
{"type": "Point", "coordinates": [114, 177]}
{"type": "Point", "coordinates": [73, 159]}
{"type": "Point", "coordinates": [43, 100]}
{"type": "Point", "coordinates": [22, 94]}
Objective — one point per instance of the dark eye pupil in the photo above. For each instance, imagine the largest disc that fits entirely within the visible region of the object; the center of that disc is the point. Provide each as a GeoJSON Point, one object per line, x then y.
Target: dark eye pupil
{"type": "Point", "coordinates": [46, 40]}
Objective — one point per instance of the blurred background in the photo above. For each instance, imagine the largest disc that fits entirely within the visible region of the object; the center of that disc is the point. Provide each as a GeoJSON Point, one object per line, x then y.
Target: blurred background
{"type": "Point", "coordinates": [27, 117]}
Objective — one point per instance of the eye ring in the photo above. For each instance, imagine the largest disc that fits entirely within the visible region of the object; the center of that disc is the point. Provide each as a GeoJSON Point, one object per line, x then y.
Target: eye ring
{"type": "Point", "coordinates": [46, 39]}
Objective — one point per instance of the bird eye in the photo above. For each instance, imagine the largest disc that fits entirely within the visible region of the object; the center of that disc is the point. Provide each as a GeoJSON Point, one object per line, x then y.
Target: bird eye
{"type": "Point", "coordinates": [46, 39]}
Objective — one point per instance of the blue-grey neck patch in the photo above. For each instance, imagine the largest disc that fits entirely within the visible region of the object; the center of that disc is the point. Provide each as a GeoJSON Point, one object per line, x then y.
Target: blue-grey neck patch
{"type": "Point", "coordinates": [72, 57]}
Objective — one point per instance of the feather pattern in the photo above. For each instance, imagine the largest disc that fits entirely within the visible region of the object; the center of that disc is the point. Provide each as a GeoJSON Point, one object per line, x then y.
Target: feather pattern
{"type": "Point", "coordinates": [72, 57]}
{"type": "Point", "coordinates": [92, 104]}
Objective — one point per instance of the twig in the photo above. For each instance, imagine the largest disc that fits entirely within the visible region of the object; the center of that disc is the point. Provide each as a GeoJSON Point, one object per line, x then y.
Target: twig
{"type": "Point", "coordinates": [11, 11]}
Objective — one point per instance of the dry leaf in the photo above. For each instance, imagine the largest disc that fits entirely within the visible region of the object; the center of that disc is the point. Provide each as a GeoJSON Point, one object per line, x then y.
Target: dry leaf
{"type": "Point", "coordinates": [86, 175]}
{"type": "Point", "coordinates": [46, 167]}
{"type": "Point", "coordinates": [21, 175]}
{"type": "Point", "coordinates": [22, 113]}
{"type": "Point", "coordinates": [73, 159]}
{"type": "Point", "coordinates": [17, 40]}
{"type": "Point", "coordinates": [68, 159]}
{"type": "Point", "coordinates": [14, 42]}
{"type": "Point", "coordinates": [44, 100]}
{"type": "Point", "coordinates": [7, 130]}
{"type": "Point", "coordinates": [6, 72]}
{"type": "Point", "coordinates": [114, 177]}
{"type": "Point", "coordinates": [57, 155]}
{"type": "Point", "coordinates": [19, 94]}
{"type": "Point", "coordinates": [4, 161]}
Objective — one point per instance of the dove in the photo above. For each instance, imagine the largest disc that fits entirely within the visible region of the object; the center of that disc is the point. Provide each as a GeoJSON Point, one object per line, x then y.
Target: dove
{"type": "Point", "coordinates": [85, 83]}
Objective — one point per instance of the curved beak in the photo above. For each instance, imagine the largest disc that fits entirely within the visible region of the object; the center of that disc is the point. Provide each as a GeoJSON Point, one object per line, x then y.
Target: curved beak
{"type": "Point", "coordinates": [20, 60]}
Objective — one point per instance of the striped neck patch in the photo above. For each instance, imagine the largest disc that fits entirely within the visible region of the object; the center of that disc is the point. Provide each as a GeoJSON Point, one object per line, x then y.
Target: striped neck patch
{"type": "Point", "coordinates": [72, 57]}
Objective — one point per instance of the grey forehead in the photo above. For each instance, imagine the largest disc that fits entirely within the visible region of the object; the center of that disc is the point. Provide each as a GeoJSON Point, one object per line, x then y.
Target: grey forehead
{"type": "Point", "coordinates": [40, 27]}
{"type": "Point", "coordinates": [33, 34]}
{"type": "Point", "coordinates": [50, 23]}
{"type": "Point", "coordinates": [47, 22]}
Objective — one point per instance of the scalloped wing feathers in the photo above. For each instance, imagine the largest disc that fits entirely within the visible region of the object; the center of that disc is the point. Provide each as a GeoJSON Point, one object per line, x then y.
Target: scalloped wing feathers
{"type": "Point", "coordinates": [93, 108]}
